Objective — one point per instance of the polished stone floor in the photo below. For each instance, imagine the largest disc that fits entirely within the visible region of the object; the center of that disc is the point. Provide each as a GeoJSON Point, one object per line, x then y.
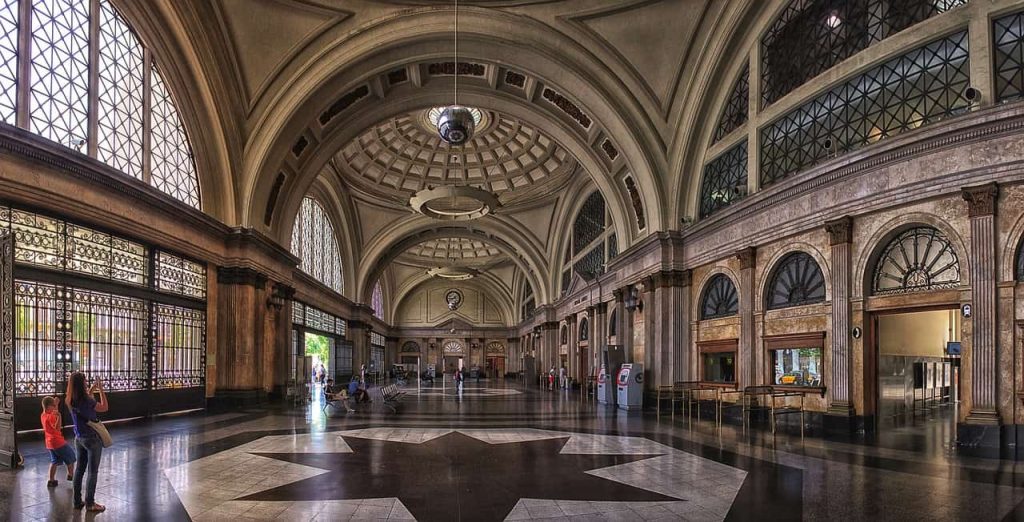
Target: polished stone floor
{"type": "Point", "coordinates": [500, 451]}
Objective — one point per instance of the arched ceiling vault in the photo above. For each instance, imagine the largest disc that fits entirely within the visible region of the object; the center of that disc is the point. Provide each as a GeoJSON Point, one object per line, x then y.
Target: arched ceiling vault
{"type": "Point", "coordinates": [494, 288]}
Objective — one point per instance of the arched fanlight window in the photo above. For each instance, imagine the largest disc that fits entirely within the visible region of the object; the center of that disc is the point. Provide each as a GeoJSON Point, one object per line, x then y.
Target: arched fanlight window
{"type": "Point", "coordinates": [377, 301]}
{"type": "Point", "coordinates": [797, 280]}
{"type": "Point", "coordinates": [593, 241]}
{"type": "Point", "coordinates": [719, 298]}
{"type": "Point", "coordinates": [584, 329]}
{"type": "Point", "coordinates": [314, 242]}
{"type": "Point", "coordinates": [79, 61]}
{"type": "Point", "coordinates": [921, 258]}
{"type": "Point", "coordinates": [613, 323]}
{"type": "Point", "coordinates": [410, 347]}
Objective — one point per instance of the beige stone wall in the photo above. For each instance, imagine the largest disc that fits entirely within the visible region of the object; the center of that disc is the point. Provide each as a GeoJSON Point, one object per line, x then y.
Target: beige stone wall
{"type": "Point", "coordinates": [427, 307]}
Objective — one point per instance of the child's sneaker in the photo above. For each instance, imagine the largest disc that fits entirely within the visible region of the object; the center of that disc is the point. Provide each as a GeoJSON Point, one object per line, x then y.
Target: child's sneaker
{"type": "Point", "coordinates": [51, 483]}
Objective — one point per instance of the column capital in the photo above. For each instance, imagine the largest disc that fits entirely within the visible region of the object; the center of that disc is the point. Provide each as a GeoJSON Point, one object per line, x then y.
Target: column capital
{"type": "Point", "coordinates": [840, 230]}
{"type": "Point", "coordinates": [601, 307]}
{"type": "Point", "coordinates": [619, 294]}
{"type": "Point", "coordinates": [570, 319]}
{"type": "Point", "coordinates": [549, 325]}
{"type": "Point", "coordinates": [747, 257]}
{"type": "Point", "coordinates": [981, 200]}
{"type": "Point", "coordinates": [672, 278]}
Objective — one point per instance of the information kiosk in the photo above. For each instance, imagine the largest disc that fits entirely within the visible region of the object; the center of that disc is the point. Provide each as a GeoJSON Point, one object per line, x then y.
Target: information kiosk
{"type": "Point", "coordinates": [605, 387]}
{"type": "Point", "coordinates": [630, 384]}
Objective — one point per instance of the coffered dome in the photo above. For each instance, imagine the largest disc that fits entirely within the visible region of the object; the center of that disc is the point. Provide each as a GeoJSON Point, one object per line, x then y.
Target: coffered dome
{"type": "Point", "coordinates": [403, 155]}
{"type": "Point", "coordinates": [435, 252]}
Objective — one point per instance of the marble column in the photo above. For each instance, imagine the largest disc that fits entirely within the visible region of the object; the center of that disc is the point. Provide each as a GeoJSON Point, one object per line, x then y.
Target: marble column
{"type": "Point", "coordinates": [573, 347]}
{"type": "Point", "coordinates": [551, 344]}
{"type": "Point", "coordinates": [598, 335]}
{"type": "Point", "coordinates": [624, 336]}
{"type": "Point", "coordinates": [280, 323]}
{"type": "Point", "coordinates": [242, 334]}
{"type": "Point", "coordinates": [669, 324]}
{"type": "Point", "coordinates": [981, 206]}
{"type": "Point", "coordinates": [747, 376]}
{"type": "Point", "coordinates": [840, 232]}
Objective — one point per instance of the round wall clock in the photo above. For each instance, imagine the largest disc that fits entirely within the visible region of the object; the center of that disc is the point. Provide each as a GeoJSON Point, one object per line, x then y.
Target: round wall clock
{"type": "Point", "coordinates": [453, 298]}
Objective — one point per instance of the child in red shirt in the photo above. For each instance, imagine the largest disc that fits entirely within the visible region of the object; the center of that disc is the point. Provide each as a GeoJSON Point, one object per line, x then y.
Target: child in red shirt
{"type": "Point", "coordinates": [60, 451]}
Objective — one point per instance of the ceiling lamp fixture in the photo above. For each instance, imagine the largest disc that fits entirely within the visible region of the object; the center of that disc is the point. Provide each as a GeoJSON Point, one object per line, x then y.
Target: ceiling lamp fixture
{"type": "Point", "coordinates": [452, 272]}
{"type": "Point", "coordinates": [456, 123]}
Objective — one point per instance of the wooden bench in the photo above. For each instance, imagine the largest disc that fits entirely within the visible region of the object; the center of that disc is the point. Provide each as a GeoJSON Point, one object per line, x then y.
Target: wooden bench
{"type": "Point", "coordinates": [390, 395]}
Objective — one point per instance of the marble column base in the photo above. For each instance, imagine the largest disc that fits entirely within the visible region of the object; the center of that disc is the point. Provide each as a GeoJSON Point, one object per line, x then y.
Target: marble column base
{"type": "Point", "coordinates": [983, 418]}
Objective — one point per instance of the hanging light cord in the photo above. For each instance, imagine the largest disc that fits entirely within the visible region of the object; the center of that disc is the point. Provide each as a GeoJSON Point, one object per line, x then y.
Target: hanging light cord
{"type": "Point", "coordinates": [456, 52]}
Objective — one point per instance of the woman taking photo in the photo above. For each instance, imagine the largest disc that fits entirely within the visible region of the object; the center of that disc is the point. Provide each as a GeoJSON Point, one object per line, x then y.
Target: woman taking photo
{"type": "Point", "coordinates": [84, 407]}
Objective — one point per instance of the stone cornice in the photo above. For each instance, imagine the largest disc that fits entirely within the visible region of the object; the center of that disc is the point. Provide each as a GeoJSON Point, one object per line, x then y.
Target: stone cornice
{"type": "Point", "coordinates": [981, 200]}
{"type": "Point", "coordinates": [240, 275]}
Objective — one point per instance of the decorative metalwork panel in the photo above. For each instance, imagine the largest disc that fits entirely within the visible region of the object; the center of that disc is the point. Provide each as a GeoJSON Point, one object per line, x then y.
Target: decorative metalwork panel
{"type": "Point", "coordinates": [319, 320]}
{"type": "Point", "coordinates": [592, 264]}
{"type": "Point", "coordinates": [811, 36]}
{"type": "Point", "coordinates": [8, 357]}
{"type": "Point", "coordinates": [108, 338]}
{"type": "Point", "coordinates": [529, 307]}
{"type": "Point", "coordinates": [918, 259]}
{"type": "Point", "coordinates": [59, 107]}
{"type": "Point", "coordinates": [638, 204]}
{"type": "Point", "coordinates": [724, 180]}
{"type": "Point", "coordinates": [589, 223]}
{"type": "Point", "coordinates": [453, 347]}
{"type": "Point", "coordinates": [39, 240]}
{"type": "Point", "coordinates": [797, 280]}
{"type": "Point", "coordinates": [917, 88]}
{"type": "Point", "coordinates": [495, 347]}
{"type": "Point", "coordinates": [410, 347]}
{"type": "Point", "coordinates": [1008, 56]}
{"type": "Point", "coordinates": [121, 87]}
{"type": "Point", "coordinates": [584, 329]}
{"type": "Point", "coordinates": [377, 301]}
{"type": "Point", "coordinates": [8, 60]}
{"type": "Point", "coordinates": [377, 339]}
{"type": "Point", "coordinates": [178, 275]}
{"type": "Point", "coordinates": [102, 255]}
{"type": "Point", "coordinates": [179, 347]}
{"type": "Point", "coordinates": [315, 242]}
{"type": "Point", "coordinates": [734, 115]}
{"type": "Point", "coordinates": [172, 167]}
{"type": "Point", "coordinates": [720, 298]}
{"type": "Point", "coordinates": [298, 313]}
{"type": "Point", "coordinates": [40, 335]}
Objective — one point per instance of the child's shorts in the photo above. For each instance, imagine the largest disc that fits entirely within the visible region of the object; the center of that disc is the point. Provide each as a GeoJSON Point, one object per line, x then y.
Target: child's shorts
{"type": "Point", "coordinates": [62, 455]}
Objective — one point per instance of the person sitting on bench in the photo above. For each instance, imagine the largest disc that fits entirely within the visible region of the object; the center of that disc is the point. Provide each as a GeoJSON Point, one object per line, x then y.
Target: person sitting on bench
{"type": "Point", "coordinates": [332, 397]}
{"type": "Point", "coordinates": [357, 390]}
{"type": "Point", "coordinates": [426, 378]}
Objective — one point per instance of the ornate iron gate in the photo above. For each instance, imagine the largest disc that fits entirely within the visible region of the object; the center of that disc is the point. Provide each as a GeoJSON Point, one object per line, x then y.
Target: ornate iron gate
{"type": "Point", "coordinates": [8, 443]}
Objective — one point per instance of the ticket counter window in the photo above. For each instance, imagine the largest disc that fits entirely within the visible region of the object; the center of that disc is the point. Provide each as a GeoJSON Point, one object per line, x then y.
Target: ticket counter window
{"type": "Point", "coordinates": [720, 366]}
{"type": "Point", "coordinates": [797, 366]}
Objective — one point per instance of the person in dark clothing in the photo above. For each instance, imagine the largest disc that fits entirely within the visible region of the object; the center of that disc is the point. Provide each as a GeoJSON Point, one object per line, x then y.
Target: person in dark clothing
{"type": "Point", "coordinates": [88, 445]}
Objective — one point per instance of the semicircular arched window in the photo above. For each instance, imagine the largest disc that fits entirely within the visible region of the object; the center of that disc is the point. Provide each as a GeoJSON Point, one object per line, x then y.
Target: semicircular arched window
{"type": "Point", "coordinates": [613, 323]}
{"type": "Point", "coordinates": [88, 84]}
{"type": "Point", "coordinates": [452, 347]}
{"type": "Point", "coordinates": [315, 243]}
{"type": "Point", "coordinates": [918, 259]}
{"type": "Point", "coordinates": [495, 347]}
{"type": "Point", "coordinates": [797, 280]}
{"type": "Point", "coordinates": [584, 329]}
{"type": "Point", "coordinates": [720, 298]}
{"type": "Point", "coordinates": [410, 347]}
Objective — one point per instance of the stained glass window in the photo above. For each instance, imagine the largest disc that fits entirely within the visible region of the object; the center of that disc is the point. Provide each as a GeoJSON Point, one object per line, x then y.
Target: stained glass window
{"type": "Point", "coordinates": [918, 259]}
{"type": "Point", "coordinates": [724, 180]}
{"type": "Point", "coordinates": [735, 113]}
{"type": "Point", "coordinates": [377, 301]}
{"type": "Point", "coordinates": [64, 84]}
{"type": "Point", "coordinates": [8, 60]}
{"type": "Point", "coordinates": [917, 88]}
{"type": "Point", "coordinates": [1008, 54]}
{"type": "Point", "coordinates": [60, 71]}
{"type": "Point", "coordinates": [119, 125]}
{"type": "Point", "coordinates": [719, 299]}
{"type": "Point", "coordinates": [797, 280]}
{"type": "Point", "coordinates": [173, 169]}
{"type": "Point", "coordinates": [315, 242]}
{"type": "Point", "coordinates": [180, 347]}
{"type": "Point", "coordinates": [811, 36]}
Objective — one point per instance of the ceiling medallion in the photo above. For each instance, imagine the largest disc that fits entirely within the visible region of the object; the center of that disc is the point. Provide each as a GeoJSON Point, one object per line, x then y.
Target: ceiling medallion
{"type": "Point", "coordinates": [451, 203]}
{"type": "Point", "coordinates": [453, 273]}
{"type": "Point", "coordinates": [454, 299]}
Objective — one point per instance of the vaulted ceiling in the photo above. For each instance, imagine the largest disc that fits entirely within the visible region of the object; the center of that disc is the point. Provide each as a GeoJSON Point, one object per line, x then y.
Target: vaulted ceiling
{"type": "Point", "coordinates": [574, 96]}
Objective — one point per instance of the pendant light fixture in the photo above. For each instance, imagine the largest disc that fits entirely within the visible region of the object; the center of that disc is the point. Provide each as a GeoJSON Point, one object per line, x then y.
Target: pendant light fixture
{"type": "Point", "coordinates": [455, 125]}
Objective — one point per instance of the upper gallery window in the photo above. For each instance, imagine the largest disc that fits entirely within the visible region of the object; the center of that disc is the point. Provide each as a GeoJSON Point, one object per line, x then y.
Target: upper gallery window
{"type": "Point", "coordinates": [724, 180]}
{"type": "Point", "coordinates": [82, 60]}
{"type": "Point", "coordinates": [315, 243]}
{"type": "Point", "coordinates": [812, 36]}
{"type": "Point", "coordinates": [593, 241]}
{"type": "Point", "coordinates": [1008, 54]}
{"type": "Point", "coordinates": [377, 301]}
{"type": "Point", "coordinates": [734, 115]}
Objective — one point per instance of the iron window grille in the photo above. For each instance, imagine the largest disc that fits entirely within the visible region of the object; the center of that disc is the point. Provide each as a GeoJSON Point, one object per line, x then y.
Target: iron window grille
{"type": "Point", "coordinates": [919, 259]}
{"type": "Point", "coordinates": [902, 94]}
{"type": "Point", "coordinates": [797, 280]}
{"type": "Point", "coordinates": [85, 58]}
{"type": "Point", "coordinates": [593, 242]}
{"type": "Point", "coordinates": [1008, 56]}
{"type": "Point", "coordinates": [724, 180]}
{"type": "Point", "coordinates": [313, 318]}
{"type": "Point", "coordinates": [315, 242]}
{"type": "Point", "coordinates": [377, 301]}
{"type": "Point", "coordinates": [811, 36]}
{"type": "Point", "coordinates": [734, 114]}
{"type": "Point", "coordinates": [719, 299]}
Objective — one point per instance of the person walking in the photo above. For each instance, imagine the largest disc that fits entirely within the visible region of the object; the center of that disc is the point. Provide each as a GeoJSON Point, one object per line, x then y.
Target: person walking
{"type": "Point", "coordinates": [84, 409]}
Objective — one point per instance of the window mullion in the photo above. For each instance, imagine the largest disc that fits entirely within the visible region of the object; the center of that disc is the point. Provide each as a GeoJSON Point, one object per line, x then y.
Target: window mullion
{"type": "Point", "coordinates": [23, 94]}
{"type": "Point", "coordinates": [147, 115]}
{"type": "Point", "coordinates": [94, 78]}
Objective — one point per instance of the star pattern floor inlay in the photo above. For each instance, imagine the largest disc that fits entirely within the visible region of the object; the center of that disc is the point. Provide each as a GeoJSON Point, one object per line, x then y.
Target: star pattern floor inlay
{"type": "Point", "coordinates": [440, 474]}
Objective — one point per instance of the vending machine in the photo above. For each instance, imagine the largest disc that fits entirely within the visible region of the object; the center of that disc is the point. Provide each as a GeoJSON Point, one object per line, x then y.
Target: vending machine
{"type": "Point", "coordinates": [630, 384]}
{"type": "Point", "coordinates": [605, 387]}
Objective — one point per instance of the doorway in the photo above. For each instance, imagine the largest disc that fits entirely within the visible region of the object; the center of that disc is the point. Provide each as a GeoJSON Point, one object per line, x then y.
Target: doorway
{"type": "Point", "coordinates": [496, 367]}
{"type": "Point", "coordinates": [916, 377]}
{"type": "Point", "coordinates": [452, 363]}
